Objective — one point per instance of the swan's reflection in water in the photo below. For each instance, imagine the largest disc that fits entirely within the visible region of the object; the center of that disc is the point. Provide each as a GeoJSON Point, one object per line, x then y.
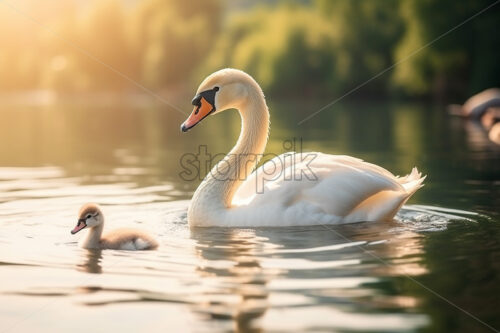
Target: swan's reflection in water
{"type": "Point", "coordinates": [394, 249]}
{"type": "Point", "coordinates": [262, 279]}
{"type": "Point", "coordinates": [91, 262]}
{"type": "Point", "coordinates": [240, 292]}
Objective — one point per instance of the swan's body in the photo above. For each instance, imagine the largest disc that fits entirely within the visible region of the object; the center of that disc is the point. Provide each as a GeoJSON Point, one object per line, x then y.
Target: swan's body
{"type": "Point", "coordinates": [91, 216]}
{"type": "Point", "coordinates": [291, 189]}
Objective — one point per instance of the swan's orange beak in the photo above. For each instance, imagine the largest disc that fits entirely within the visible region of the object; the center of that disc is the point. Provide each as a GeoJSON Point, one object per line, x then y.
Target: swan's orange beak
{"type": "Point", "coordinates": [204, 105]}
{"type": "Point", "coordinates": [79, 226]}
{"type": "Point", "coordinates": [199, 112]}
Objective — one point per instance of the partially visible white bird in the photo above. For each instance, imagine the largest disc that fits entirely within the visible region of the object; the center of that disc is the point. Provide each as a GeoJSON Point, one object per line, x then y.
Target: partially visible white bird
{"type": "Point", "coordinates": [476, 106]}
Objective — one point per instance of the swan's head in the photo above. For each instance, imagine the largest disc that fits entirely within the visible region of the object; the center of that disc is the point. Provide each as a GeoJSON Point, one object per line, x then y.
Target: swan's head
{"type": "Point", "coordinates": [90, 216]}
{"type": "Point", "coordinates": [222, 90]}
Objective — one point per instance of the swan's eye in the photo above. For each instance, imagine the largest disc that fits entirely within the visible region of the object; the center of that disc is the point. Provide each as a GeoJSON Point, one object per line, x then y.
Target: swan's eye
{"type": "Point", "coordinates": [216, 88]}
{"type": "Point", "coordinates": [89, 216]}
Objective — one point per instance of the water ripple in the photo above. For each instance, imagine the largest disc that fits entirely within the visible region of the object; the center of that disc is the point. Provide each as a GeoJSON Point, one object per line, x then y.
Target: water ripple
{"type": "Point", "coordinates": [298, 278]}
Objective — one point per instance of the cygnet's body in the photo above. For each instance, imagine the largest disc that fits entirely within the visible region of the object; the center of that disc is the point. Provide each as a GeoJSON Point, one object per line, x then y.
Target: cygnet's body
{"type": "Point", "coordinates": [91, 216]}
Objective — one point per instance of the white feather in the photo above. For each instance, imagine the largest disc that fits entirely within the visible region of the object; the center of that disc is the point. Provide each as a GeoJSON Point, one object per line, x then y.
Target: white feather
{"type": "Point", "coordinates": [345, 190]}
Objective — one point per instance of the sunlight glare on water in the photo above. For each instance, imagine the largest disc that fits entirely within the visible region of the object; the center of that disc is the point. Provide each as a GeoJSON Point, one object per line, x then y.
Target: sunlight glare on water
{"type": "Point", "coordinates": [345, 278]}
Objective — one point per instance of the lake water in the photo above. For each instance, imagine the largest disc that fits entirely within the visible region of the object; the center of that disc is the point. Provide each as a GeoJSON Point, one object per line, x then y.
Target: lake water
{"type": "Point", "coordinates": [436, 268]}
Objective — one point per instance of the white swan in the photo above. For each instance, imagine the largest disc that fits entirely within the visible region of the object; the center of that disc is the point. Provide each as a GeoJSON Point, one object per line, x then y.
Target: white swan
{"type": "Point", "coordinates": [299, 188]}
{"type": "Point", "coordinates": [91, 216]}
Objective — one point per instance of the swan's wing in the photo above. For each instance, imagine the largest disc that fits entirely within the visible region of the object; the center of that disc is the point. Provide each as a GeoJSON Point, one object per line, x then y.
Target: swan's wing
{"type": "Point", "coordinates": [335, 184]}
{"type": "Point", "coordinates": [269, 171]}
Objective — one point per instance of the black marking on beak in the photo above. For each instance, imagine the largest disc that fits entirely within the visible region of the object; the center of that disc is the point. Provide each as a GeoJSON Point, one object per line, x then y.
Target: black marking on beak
{"type": "Point", "coordinates": [208, 95]}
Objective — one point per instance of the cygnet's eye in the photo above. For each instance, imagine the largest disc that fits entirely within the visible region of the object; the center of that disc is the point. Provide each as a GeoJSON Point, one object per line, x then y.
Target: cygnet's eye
{"type": "Point", "coordinates": [89, 216]}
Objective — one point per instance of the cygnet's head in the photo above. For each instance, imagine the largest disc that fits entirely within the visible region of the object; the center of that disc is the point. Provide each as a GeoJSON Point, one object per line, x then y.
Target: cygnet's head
{"type": "Point", "coordinates": [90, 216]}
{"type": "Point", "coordinates": [225, 89]}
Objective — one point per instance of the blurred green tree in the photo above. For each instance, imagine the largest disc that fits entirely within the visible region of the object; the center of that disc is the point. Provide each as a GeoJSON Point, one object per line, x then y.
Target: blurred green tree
{"type": "Point", "coordinates": [367, 32]}
{"type": "Point", "coordinates": [332, 46]}
{"type": "Point", "coordinates": [321, 47]}
{"type": "Point", "coordinates": [172, 38]}
{"type": "Point", "coordinates": [461, 63]}
{"type": "Point", "coordinates": [286, 48]}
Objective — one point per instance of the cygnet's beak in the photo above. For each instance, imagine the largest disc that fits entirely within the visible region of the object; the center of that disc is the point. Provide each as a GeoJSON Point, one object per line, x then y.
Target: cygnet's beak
{"type": "Point", "coordinates": [204, 105]}
{"type": "Point", "coordinates": [79, 226]}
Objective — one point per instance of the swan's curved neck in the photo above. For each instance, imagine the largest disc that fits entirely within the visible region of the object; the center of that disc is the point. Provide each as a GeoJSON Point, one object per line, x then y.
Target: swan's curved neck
{"type": "Point", "coordinates": [220, 185]}
{"type": "Point", "coordinates": [93, 238]}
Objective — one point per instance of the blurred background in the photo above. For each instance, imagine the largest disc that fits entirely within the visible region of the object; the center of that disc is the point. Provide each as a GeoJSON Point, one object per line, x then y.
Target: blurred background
{"type": "Point", "coordinates": [315, 48]}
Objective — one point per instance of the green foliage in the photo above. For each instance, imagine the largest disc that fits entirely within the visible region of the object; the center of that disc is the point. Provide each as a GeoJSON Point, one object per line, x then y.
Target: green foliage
{"type": "Point", "coordinates": [464, 61]}
{"type": "Point", "coordinates": [336, 45]}
{"type": "Point", "coordinates": [173, 37]}
{"type": "Point", "coordinates": [285, 48]}
{"type": "Point", "coordinates": [367, 32]}
{"type": "Point", "coordinates": [324, 47]}
{"type": "Point", "coordinates": [332, 47]}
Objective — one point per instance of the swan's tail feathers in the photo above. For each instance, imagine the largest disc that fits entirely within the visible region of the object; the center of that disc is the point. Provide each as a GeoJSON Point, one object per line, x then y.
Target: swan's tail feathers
{"type": "Point", "coordinates": [413, 175]}
{"type": "Point", "coordinates": [412, 182]}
